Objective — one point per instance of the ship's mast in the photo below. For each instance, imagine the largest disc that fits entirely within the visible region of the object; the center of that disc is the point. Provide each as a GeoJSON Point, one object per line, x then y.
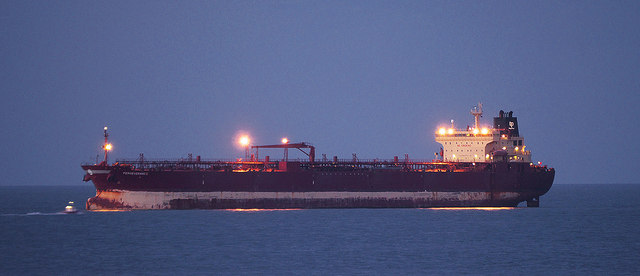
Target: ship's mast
{"type": "Point", "coordinates": [476, 111]}
{"type": "Point", "coordinates": [106, 145]}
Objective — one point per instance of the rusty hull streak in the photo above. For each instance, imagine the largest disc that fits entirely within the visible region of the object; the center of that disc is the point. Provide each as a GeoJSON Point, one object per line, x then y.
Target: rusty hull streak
{"type": "Point", "coordinates": [106, 200]}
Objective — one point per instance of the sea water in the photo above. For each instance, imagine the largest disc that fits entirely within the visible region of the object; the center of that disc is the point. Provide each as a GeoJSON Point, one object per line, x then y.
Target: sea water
{"type": "Point", "coordinates": [578, 229]}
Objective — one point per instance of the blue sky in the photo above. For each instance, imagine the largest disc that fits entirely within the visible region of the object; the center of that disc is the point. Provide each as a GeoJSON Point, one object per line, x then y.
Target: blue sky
{"type": "Point", "coordinates": [369, 77]}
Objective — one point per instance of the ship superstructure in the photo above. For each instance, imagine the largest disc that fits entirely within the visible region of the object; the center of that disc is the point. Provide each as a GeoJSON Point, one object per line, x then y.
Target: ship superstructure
{"type": "Point", "coordinates": [481, 143]}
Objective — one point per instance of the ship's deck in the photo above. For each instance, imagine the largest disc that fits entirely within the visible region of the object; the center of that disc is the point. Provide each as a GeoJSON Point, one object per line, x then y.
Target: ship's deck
{"type": "Point", "coordinates": [305, 165]}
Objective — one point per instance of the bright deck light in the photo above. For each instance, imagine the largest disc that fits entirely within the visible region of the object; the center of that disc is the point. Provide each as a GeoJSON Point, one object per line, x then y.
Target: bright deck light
{"type": "Point", "coordinates": [244, 141]}
{"type": "Point", "coordinates": [285, 140]}
{"type": "Point", "coordinates": [108, 146]}
{"type": "Point", "coordinates": [485, 130]}
{"type": "Point", "coordinates": [442, 131]}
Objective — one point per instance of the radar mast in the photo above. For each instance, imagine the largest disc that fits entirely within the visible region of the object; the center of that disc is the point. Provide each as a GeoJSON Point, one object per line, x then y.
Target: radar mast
{"type": "Point", "coordinates": [476, 111]}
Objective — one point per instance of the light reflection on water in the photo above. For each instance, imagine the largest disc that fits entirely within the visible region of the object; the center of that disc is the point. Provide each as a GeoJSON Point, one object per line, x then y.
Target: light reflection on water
{"type": "Point", "coordinates": [471, 208]}
{"type": "Point", "coordinates": [259, 210]}
{"type": "Point", "coordinates": [111, 210]}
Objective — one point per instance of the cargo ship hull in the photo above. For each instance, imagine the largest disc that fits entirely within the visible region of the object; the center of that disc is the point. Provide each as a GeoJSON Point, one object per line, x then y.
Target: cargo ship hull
{"type": "Point", "coordinates": [473, 185]}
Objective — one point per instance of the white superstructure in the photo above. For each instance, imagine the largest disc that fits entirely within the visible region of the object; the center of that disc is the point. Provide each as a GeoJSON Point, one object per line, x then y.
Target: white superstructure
{"type": "Point", "coordinates": [482, 143]}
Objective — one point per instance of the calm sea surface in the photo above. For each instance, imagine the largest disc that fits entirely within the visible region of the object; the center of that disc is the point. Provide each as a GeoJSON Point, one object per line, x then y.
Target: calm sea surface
{"type": "Point", "coordinates": [579, 229]}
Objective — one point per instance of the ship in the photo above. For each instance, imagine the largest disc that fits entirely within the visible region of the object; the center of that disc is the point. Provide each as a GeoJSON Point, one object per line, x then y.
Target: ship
{"type": "Point", "coordinates": [476, 166]}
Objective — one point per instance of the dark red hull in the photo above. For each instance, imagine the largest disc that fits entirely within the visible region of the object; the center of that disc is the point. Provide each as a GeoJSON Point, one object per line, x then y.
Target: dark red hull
{"type": "Point", "coordinates": [482, 184]}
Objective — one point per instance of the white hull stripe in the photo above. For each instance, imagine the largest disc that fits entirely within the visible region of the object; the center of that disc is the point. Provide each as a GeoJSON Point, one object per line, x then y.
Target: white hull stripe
{"type": "Point", "coordinates": [160, 200]}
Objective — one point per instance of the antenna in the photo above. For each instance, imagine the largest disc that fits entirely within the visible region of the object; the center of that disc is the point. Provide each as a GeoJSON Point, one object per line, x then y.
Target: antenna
{"type": "Point", "coordinates": [476, 111]}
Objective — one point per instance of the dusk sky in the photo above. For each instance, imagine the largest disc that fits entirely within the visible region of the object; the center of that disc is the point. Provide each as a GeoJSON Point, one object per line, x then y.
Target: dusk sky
{"type": "Point", "coordinates": [375, 78]}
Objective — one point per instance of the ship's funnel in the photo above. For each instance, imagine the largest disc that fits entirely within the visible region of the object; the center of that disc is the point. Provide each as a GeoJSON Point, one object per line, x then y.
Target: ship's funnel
{"type": "Point", "coordinates": [506, 123]}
